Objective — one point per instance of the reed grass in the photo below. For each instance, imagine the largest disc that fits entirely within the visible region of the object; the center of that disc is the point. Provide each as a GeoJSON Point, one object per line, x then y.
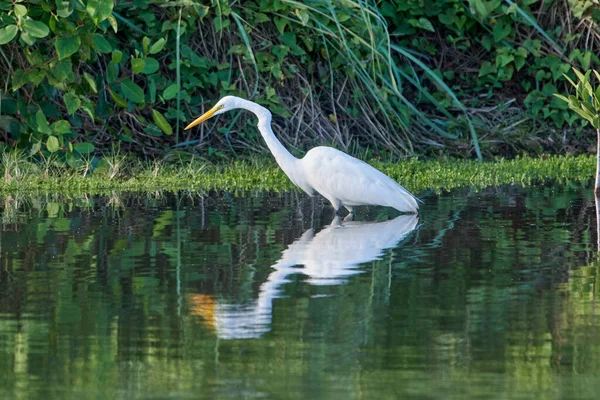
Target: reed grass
{"type": "Point", "coordinates": [376, 87]}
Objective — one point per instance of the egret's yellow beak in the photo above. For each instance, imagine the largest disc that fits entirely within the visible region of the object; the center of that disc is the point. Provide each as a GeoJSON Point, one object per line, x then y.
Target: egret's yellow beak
{"type": "Point", "coordinates": [204, 117]}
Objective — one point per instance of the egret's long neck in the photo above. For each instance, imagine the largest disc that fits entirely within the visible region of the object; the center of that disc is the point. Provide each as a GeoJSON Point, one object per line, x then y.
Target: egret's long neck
{"type": "Point", "coordinates": [284, 158]}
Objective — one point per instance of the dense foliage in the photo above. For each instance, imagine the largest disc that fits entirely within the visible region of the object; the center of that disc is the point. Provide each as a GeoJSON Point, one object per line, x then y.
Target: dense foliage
{"type": "Point", "coordinates": [406, 77]}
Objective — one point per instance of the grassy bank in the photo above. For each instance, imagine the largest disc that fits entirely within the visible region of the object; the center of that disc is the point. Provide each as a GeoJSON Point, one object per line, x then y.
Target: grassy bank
{"type": "Point", "coordinates": [120, 174]}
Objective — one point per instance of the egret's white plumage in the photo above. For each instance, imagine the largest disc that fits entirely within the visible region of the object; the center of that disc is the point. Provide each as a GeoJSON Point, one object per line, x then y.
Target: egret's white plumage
{"type": "Point", "coordinates": [340, 178]}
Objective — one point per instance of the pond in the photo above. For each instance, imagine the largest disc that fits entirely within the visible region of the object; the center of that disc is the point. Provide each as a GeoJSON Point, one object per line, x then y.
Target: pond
{"type": "Point", "coordinates": [488, 294]}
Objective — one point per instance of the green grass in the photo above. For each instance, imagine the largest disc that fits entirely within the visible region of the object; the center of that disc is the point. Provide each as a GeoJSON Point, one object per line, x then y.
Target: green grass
{"type": "Point", "coordinates": [122, 174]}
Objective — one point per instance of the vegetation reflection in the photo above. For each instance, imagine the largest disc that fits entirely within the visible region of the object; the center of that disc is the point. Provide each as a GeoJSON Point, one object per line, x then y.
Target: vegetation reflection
{"type": "Point", "coordinates": [129, 296]}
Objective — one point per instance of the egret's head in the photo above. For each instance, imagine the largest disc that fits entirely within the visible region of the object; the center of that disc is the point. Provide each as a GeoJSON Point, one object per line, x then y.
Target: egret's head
{"type": "Point", "coordinates": [225, 104]}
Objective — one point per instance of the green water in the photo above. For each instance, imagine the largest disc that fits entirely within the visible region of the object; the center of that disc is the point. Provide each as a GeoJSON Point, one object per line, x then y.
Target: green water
{"type": "Point", "coordinates": [484, 295]}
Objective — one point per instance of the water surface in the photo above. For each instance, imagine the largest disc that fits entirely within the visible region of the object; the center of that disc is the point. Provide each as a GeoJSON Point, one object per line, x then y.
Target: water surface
{"type": "Point", "coordinates": [483, 295]}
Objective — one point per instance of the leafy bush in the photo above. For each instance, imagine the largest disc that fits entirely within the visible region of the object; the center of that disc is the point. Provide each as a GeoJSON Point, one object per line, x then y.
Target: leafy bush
{"type": "Point", "coordinates": [86, 74]}
{"type": "Point", "coordinates": [83, 76]}
{"type": "Point", "coordinates": [495, 52]}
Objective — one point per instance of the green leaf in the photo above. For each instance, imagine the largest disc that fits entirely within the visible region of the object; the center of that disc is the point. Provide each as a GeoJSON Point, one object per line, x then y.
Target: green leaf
{"type": "Point", "coordinates": [540, 75]}
{"type": "Point", "coordinates": [487, 42]}
{"type": "Point", "coordinates": [89, 110]}
{"type": "Point", "coordinates": [64, 8]}
{"type": "Point", "coordinates": [501, 31]}
{"type": "Point", "coordinates": [117, 55]}
{"type": "Point", "coordinates": [26, 37]}
{"type": "Point", "coordinates": [585, 59]}
{"type": "Point", "coordinates": [589, 117]}
{"type": "Point", "coordinates": [150, 66]}
{"type": "Point", "coordinates": [10, 124]}
{"type": "Point", "coordinates": [35, 76]}
{"type": "Point", "coordinates": [118, 99]}
{"type": "Point", "coordinates": [558, 69]}
{"type": "Point", "coordinates": [125, 138]}
{"type": "Point", "coordinates": [484, 8]}
{"type": "Point", "coordinates": [113, 23]}
{"type": "Point", "coordinates": [426, 24]}
{"type": "Point", "coordinates": [52, 144]}
{"type": "Point", "coordinates": [580, 76]}
{"type": "Point", "coordinates": [20, 10]}
{"type": "Point", "coordinates": [99, 10]}
{"type": "Point", "coordinates": [152, 131]}
{"type": "Point", "coordinates": [145, 44]}
{"type": "Point", "coordinates": [72, 102]}
{"type": "Point", "coordinates": [161, 122]}
{"type": "Point", "coordinates": [35, 148]}
{"type": "Point", "coordinates": [280, 23]}
{"type": "Point", "coordinates": [66, 46]}
{"type": "Point", "coordinates": [563, 98]}
{"type": "Point", "coordinates": [42, 123]}
{"type": "Point", "coordinates": [8, 33]}
{"type": "Point", "coordinates": [152, 89]}
{"type": "Point", "coordinates": [487, 68]}
{"type": "Point", "coordinates": [589, 107]}
{"type": "Point", "coordinates": [90, 80]}
{"type": "Point", "coordinates": [112, 71]}
{"type": "Point", "coordinates": [171, 91]}
{"type": "Point", "coordinates": [570, 81]}
{"type": "Point", "coordinates": [132, 91]}
{"type": "Point", "coordinates": [84, 148]}
{"type": "Point", "coordinates": [137, 65]}
{"type": "Point", "coordinates": [503, 59]}
{"type": "Point", "coordinates": [221, 23]}
{"type": "Point", "coordinates": [520, 57]}
{"type": "Point", "coordinates": [62, 70]}
{"type": "Point", "coordinates": [36, 29]}
{"type": "Point", "coordinates": [101, 44]}
{"type": "Point", "coordinates": [157, 46]}
{"type": "Point", "coordinates": [61, 127]}
{"type": "Point", "coordinates": [573, 102]}
{"type": "Point", "coordinates": [303, 15]}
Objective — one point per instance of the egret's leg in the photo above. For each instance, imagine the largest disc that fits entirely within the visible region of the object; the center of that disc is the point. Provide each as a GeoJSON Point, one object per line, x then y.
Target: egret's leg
{"type": "Point", "coordinates": [350, 209]}
{"type": "Point", "coordinates": [299, 206]}
{"type": "Point", "coordinates": [349, 217]}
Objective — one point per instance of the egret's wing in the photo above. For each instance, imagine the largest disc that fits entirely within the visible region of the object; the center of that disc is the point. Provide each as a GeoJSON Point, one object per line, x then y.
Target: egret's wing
{"type": "Point", "coordinates": [336, 174]}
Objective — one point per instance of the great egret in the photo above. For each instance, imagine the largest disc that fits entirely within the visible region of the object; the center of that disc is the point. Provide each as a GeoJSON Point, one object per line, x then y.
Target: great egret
{"type": "Point", "coordinates": [340, 178]}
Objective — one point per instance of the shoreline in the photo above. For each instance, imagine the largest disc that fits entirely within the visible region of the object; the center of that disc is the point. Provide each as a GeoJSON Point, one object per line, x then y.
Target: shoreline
{"type": "Point", "coordinates": [264, 174]}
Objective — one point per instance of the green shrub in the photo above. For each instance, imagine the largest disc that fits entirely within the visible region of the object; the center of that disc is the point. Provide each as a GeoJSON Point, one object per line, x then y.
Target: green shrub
{"type": "Point", "coordinates": [404, 77]}
{"type": "Point", "coordinates": [491, 52]}
{"type": "Point", "coordinates": [84, 74]}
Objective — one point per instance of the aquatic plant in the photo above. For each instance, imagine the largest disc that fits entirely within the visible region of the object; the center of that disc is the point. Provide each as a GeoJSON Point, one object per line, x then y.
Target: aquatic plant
{"type": "Point", "coordinates": [260, 173]}
{"type": "Point", "coordinates": [586, 103]}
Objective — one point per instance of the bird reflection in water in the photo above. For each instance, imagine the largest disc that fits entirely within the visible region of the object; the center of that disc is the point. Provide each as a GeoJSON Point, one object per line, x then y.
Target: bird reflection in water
{"type": "Point", "coordinates": [326, 258]}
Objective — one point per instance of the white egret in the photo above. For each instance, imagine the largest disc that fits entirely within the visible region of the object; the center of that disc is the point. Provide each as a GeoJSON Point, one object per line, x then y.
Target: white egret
{"type": "Point", "coordinates": [340, 178]}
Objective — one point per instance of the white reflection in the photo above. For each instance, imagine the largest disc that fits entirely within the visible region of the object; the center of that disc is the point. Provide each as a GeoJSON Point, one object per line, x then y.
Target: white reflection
{"type": "Point", "coordinates": [327, 258]}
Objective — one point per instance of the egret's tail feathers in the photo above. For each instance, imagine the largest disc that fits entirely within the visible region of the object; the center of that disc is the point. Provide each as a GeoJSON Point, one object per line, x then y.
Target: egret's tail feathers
{"type": "Point", "coordinates": [406, 202]}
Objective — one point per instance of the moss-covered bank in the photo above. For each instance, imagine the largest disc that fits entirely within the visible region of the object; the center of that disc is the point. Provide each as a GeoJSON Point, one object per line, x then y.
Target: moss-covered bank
{"type": "Point", "coordinates": [264, 174]}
